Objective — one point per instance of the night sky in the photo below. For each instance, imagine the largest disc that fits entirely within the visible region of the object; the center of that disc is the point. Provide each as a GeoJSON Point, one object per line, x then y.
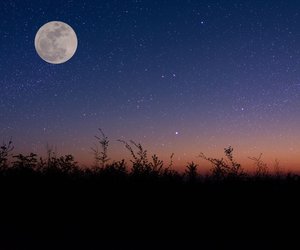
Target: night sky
{"type": "Point", "coordinates": [177, 76]}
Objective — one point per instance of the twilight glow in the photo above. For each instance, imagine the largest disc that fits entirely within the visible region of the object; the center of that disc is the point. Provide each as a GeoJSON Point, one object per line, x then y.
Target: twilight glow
{"type": "Point", "coordinates": [179, 77]}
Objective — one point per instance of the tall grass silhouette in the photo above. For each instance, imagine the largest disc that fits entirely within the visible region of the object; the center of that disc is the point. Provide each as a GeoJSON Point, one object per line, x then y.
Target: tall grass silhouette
{"type": "Point", "coordinates": [140, 165]}
{"type": "Point", "coordinates": [143, 199]}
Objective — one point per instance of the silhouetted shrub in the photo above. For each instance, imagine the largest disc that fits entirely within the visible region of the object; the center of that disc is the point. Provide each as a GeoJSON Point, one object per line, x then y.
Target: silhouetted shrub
{"type": "Point", "coordinates": [140, 159]}
{"type": "Point", "coordinates": [5, 151]}
{"type": "Point", "coordinates": [101, 157]}
{"type": "Point", "coordinates": [141, 169]}
{"type": "Point", "coordinates": [25, 161]}
{"type": "Point", "coordinates": [261, 168]}
{"type": "Point", "coordinates": [115, 171]}
{"type": "Point", "coordinates": [63, 166]}
{"type": "Point", "coordinates": [191, 172]}
{"type": "Point", "coordinates": [225, 168]}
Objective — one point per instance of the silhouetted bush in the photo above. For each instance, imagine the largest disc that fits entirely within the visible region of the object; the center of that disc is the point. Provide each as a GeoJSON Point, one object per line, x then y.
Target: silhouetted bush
{"type": "Point", "coordinates": [225, 168]}
{"type": "Point", "coordinates": [5, 150]}
{"type": "Point", "coordinates": [261, 168]}
{"type": "Point", "coordinates": [191, 172]}
{"type": "Point", "coordinates": [25, 161]}
{"type": "Point", "coordinates": [131, 199]}
{"type": "Point", "coordinates": [101, 156]}
{"type": "Point", "coordinates": [141, 168]}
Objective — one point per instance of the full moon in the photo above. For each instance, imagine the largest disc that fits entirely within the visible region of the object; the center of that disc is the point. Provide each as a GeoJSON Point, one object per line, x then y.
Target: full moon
{"type": "Point", "coordinates": [56, 42]}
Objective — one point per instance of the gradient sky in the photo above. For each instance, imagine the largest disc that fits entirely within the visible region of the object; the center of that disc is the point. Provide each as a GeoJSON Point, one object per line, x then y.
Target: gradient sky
{"type": "Point", "coordinates": [177, 76]}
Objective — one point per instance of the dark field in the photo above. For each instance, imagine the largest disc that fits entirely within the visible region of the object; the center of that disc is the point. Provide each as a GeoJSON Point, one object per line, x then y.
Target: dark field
{"type": "Point", "coordinates": [54, 204]}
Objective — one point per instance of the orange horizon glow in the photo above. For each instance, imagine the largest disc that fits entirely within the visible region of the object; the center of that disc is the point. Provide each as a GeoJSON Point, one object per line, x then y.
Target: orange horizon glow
{"type": "Point", "coordinates": [187, 149]}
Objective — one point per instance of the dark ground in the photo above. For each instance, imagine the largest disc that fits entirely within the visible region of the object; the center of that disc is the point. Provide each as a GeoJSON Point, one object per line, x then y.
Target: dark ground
{"type": "Point", "coordinates": [54, 204]}
{"type": "Point", "coordinates": [65, 214]}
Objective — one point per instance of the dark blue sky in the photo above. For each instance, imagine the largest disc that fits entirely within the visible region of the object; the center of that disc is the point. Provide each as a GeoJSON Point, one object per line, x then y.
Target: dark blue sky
{"type": "Point", "coordinates": [177, 76]}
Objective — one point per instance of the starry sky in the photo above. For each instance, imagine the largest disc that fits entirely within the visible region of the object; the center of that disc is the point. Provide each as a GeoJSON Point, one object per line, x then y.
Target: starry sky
{"type": "Point", "coordinates": [178, 76]}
